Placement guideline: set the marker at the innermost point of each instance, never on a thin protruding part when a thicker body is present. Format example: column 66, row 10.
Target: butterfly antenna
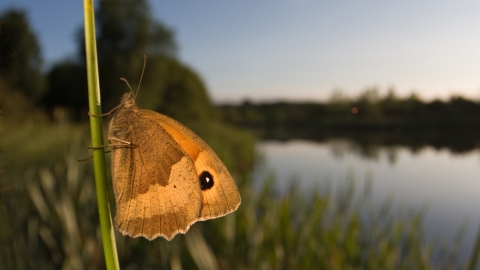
column 129, row 87
column 141, row 76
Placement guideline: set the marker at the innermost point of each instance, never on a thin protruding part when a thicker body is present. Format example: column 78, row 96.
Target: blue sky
column 303, row 49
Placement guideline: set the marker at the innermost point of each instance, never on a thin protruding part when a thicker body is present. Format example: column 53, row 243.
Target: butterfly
column 165, row 177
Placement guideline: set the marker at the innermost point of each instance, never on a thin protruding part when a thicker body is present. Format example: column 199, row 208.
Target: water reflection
column 444, row 181
column 458, row 141
column 342, row 148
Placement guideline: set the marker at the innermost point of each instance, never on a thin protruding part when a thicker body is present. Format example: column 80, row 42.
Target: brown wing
column 154, row 180
column 217, row 200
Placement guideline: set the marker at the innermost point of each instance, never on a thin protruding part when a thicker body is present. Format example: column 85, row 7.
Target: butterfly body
column 165, row 178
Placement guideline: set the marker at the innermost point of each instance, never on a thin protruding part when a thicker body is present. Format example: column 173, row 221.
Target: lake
column 445, row 182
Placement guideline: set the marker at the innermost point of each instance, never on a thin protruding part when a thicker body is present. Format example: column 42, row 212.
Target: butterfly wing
column 220, row 195
column 154, row 180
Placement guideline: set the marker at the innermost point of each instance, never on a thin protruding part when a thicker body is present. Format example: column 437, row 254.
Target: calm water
column 447, row 183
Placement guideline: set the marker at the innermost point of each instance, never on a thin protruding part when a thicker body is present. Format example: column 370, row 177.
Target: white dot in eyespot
column 208, row 179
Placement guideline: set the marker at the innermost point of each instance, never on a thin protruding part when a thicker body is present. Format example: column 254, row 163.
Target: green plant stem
column 108, row 237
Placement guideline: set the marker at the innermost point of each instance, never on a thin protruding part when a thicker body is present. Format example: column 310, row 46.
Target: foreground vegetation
column 50, row 203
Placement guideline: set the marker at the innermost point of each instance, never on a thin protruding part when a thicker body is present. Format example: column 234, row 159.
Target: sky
column 302, row 49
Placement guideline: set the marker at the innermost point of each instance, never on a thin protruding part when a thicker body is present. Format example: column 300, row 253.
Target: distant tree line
column 126, row 31
column 367, row 113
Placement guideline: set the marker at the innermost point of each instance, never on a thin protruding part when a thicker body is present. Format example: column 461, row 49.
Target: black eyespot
column 174, row 186
column 206, row 180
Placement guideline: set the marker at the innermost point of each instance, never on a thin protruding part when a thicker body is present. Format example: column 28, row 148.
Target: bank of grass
column 50, row 201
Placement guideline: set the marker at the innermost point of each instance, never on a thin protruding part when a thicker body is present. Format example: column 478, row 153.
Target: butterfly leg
column 120, row 144
column 105, row 114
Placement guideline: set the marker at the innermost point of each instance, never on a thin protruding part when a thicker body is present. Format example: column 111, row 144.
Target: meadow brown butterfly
column 165, row 178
